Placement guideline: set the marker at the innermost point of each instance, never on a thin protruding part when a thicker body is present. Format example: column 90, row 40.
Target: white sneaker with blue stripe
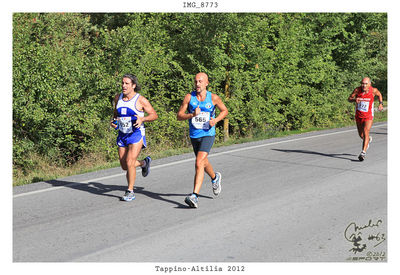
column 216, row 184
column 129, row 196
column 192, row 200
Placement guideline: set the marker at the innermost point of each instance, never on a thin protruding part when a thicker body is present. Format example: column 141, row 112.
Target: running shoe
column 192, row 200
column 146, row 168
column 369, row 142
column 216, row 184
column 129, row 196
column 362, row 155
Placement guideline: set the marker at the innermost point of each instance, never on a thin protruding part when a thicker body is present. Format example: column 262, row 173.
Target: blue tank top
column 199, row 125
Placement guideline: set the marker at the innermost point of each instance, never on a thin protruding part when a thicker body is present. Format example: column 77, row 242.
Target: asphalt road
column 303, row 198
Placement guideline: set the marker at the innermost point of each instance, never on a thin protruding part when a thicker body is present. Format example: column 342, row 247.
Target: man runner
column 364, row 97
column 129, row 116
column 200, row 105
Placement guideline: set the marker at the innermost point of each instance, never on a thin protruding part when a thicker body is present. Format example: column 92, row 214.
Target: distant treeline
column 274, row 71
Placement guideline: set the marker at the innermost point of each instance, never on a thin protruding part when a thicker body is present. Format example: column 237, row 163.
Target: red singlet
column 365, row 109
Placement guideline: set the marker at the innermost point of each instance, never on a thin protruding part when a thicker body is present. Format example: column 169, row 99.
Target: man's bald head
column 201, row 82
column 366, row 80
column 365, row 84
column 202, row 75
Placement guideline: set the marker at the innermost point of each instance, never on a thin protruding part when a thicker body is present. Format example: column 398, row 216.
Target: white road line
column 186, row 160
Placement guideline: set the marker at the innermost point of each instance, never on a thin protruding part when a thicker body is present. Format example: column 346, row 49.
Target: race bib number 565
column 201, row 121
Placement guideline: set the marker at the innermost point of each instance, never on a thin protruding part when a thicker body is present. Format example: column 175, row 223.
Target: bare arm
column 217, row 101
column 379, row 95
column 352, row 97
column 115, row 112
column 182, row 115
column 152, row 115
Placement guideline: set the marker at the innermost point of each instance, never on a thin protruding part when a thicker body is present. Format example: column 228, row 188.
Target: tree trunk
column 227, row 95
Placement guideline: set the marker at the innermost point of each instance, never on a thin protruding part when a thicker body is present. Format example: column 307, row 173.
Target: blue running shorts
column 123, row 140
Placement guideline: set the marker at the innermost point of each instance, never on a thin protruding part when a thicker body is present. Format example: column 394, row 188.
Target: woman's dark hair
column 134, row 81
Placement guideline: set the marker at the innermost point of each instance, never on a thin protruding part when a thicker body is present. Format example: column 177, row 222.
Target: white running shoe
column 129, row 196
column 216, row 184
column 192, row 200
column 362, row 155
column 369, row 142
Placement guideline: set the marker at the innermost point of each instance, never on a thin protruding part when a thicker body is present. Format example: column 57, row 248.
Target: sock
column 129, row 190
column 197, row 195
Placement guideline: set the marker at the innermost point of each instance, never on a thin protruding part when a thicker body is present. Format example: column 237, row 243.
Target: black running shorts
column 203, row 144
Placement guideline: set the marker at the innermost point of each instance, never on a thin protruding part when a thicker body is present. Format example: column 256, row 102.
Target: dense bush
column 274, row 71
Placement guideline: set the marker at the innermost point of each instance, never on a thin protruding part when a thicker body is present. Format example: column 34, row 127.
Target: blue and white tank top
column 126, row 115
column 199, row 126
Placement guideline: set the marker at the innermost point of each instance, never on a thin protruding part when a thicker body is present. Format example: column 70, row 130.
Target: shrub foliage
column 274, row 71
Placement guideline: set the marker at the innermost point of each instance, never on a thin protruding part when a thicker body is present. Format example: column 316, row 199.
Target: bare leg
column 360, row 129
column 367, row 128
column 128, row 160
column 209, row 169
column 202, row 164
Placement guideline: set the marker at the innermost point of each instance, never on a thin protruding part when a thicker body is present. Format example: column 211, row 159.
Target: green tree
column 57, row 95
column 274, row 71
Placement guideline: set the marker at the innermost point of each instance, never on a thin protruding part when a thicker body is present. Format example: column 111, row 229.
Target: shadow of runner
column 339, row 156
column 90, row 187
column 378, row 133
column 97, row 188
column 158, row 196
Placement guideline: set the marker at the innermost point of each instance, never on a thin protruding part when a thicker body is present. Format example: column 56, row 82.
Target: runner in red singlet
column 364, row 97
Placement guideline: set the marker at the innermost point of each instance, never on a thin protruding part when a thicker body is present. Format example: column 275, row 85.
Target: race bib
column 201, row 121
column 363, row 106
column 125, row 124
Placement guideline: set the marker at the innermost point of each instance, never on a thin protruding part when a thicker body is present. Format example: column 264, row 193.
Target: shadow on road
column 101, row 189
column 339, row 156
column 90, row 187
column 158, row 196
column 379, row 133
